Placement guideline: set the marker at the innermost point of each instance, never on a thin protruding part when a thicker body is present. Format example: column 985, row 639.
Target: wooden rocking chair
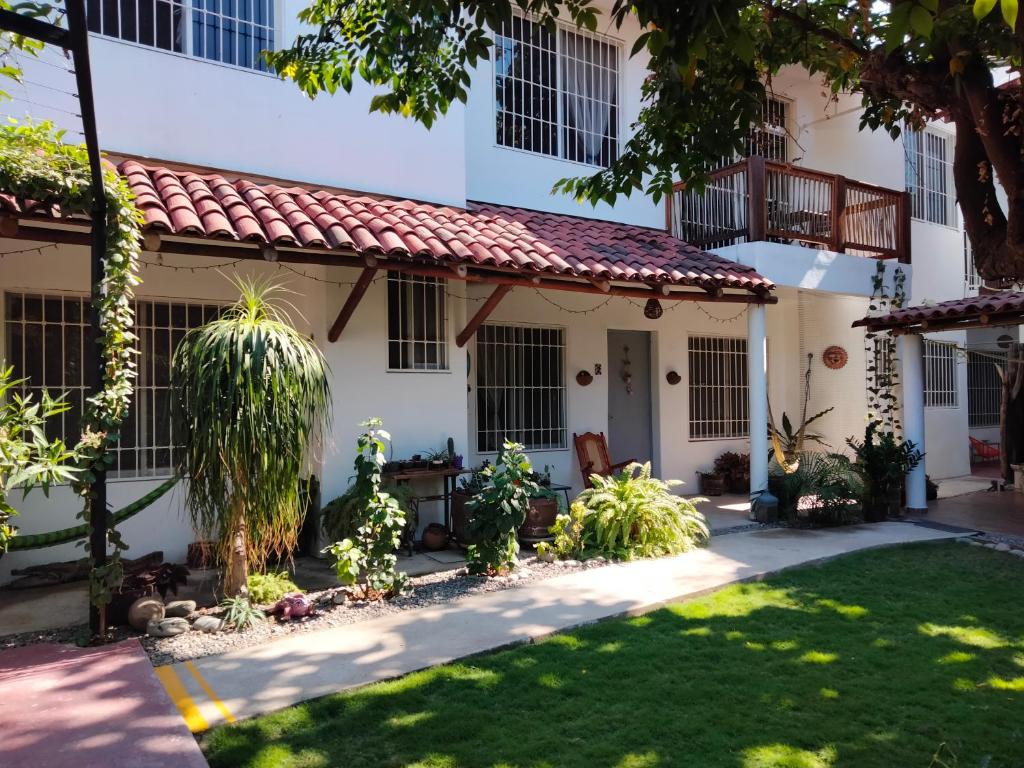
column 592, row 452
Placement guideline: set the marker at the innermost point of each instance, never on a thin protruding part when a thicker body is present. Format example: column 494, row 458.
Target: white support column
column 911, row 352
column 757, row 380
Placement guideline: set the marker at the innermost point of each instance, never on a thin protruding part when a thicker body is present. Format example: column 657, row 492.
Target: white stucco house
column 452, row 294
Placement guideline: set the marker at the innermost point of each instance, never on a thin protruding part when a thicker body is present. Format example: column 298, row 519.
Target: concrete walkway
column 62, row 706
column 259, row 679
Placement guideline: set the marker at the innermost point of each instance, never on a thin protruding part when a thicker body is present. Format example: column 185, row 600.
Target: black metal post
column 79, row 38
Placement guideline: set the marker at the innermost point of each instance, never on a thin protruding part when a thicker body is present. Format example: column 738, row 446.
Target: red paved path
column 88, row 707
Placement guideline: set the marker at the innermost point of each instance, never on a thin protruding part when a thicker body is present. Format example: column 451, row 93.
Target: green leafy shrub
column 824, row 489
column 266, row 588
column 570, row 534
column 241, row 614
column 631, row 514
column 369, row 553
column 498, row 510
column 883, row 461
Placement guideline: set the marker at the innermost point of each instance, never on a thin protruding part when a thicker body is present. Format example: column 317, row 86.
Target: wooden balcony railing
column 757, row 199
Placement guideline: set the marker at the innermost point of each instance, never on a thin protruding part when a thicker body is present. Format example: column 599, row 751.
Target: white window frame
column 559, row 388
column 929, row 177
column 941, row 375
column 731, row 425
column 984, row 388
column 560, row 153
column 772, row 130
column 403, row 340
column 972, row 280
column 145, row 388
column 189, row 12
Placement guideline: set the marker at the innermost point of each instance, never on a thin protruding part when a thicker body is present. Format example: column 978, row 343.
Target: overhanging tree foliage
column 710, row 62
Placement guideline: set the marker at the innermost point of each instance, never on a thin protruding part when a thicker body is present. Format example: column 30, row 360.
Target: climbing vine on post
column 882, row 374
column 36, row 165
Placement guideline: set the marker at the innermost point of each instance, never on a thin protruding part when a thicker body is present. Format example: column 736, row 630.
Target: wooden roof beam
column 349, row 307
column 499, row 293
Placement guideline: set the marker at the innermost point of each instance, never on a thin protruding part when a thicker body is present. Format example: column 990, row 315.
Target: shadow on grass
column 881, row 659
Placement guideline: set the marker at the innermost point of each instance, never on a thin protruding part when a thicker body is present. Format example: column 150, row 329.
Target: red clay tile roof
column 209, row 205
column 1001, row 305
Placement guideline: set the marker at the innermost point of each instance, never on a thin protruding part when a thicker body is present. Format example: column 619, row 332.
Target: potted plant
column 734, row 469
column 883, row 461
column 469, row 486
column 541, row 515
column 711, row 483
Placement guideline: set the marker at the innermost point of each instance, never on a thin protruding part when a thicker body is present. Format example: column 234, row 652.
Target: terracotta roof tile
column 211, row 205
column 966, row 310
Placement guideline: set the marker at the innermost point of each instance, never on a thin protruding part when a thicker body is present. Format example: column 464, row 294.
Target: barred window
column 929, row 175
column 940, row 375
column 45, row 342
column 226, row 31
column 556, row 92
column 972, row 280
column 718, row 388
column 417, row 323
column 770, row 138
column 520, row 387
column 984, row 387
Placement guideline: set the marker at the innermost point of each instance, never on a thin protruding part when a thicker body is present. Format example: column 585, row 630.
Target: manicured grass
column 882, row 658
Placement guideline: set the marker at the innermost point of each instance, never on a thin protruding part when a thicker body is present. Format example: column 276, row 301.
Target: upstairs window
column 940, row 375
column 557, row 93
column 929, row 175
column 226, row 31
column 417, row 323
column 770, row 139
column 972, row 280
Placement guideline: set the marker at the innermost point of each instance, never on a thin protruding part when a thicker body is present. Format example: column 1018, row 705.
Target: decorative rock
column 547, row 556
column 143, row 610
column 179, row 608
column 571, row 563
column 294, row 605
column 1017, row 552
column 166, row 627
column 208, row 624
column 1002, row 546
column 339, row 597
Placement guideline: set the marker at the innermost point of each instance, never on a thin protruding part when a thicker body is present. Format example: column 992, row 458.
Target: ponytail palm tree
column 250, row 396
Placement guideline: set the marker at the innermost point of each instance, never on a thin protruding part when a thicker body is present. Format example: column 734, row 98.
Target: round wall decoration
column 834, row 357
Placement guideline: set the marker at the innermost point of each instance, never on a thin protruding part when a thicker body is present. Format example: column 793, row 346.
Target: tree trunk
column 236, row 569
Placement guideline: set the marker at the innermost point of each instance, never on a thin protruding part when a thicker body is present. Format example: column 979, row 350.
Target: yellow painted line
column 208, row 690
column 176, row 690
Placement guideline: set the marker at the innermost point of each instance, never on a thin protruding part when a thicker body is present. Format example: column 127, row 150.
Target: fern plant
column 632, row 514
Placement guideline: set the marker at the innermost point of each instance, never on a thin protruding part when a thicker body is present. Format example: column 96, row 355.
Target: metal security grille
column 556, row 92
column 417, row 323
column 718, row 388
column 972, row 280
column 45, row 339
column 520, row 387
column 929, row 168
column 984, row 387
column 770, row 139
column 227, row 31
column 940, row 375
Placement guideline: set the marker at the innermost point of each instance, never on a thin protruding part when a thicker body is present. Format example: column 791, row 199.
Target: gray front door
column 629, row 395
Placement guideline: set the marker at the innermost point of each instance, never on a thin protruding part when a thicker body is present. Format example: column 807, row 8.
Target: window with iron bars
column 984, row 387
column 972, row 280
column 557, row 92
column 940, row 375
column 520, row 387
column 226, row 31
column 45, row 341
column 929, row 175
column 770, row 138
column 718, row 388
column 417, row 323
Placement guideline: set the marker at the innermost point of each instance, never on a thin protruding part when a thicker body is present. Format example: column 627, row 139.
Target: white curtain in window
column 588, row 81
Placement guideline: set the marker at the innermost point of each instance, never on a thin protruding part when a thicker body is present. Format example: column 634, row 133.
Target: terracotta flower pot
column 539, row 519
column 711, row 485
column 435, row 537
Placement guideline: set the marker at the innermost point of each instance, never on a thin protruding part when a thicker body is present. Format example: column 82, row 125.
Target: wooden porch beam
column 358, row 290
column 482, row 314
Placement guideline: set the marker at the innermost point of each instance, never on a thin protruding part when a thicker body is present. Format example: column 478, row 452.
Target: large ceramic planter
column 883, row 504
column 460, row 517
column 539, row 519
column 710, row 485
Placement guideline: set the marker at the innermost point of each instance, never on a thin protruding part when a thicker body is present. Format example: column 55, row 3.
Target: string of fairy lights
column 159, row 263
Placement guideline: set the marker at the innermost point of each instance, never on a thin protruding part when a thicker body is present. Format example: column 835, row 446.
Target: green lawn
column 882, row 658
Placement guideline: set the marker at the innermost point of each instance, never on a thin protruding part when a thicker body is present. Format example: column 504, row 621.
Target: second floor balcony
column 762, row 200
